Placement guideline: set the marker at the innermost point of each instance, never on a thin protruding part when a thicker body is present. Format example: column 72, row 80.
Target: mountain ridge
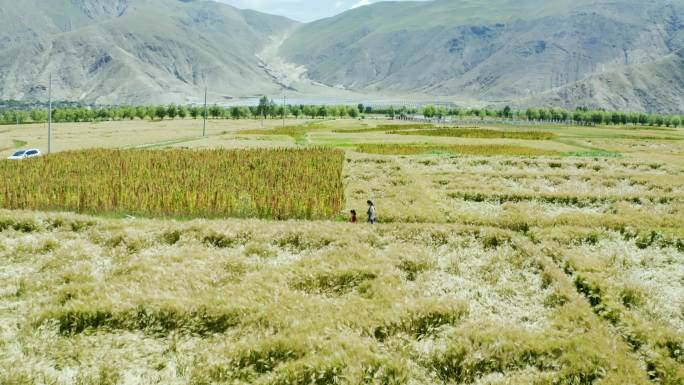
column 605, row 54
column 465, row 49
column 135, row 51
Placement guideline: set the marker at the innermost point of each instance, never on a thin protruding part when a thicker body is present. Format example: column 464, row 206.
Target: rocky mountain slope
column 616, row 54
column 132, row 51
column 605, row 53
column 656, row 86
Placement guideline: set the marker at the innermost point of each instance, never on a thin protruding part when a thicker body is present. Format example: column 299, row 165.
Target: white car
column 23, row 154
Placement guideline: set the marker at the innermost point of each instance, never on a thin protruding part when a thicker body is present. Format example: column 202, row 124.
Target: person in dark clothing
column 372, row 217
column 353, row 216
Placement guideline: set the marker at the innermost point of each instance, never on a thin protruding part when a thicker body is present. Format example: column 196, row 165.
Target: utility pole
column 204, row 129
column 283, row 109
column 50, row 115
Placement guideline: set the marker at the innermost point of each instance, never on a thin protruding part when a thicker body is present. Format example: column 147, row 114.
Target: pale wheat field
column 555, row 269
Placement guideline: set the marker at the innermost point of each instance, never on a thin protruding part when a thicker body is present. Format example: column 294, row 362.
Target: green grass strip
column 484, row 150
column 479, row 133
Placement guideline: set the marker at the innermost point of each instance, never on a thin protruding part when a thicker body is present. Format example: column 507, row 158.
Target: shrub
column 492, row 239
column 632, row 296
column 299, row 241
column 422, row 319
column 259, row 249
column 415, row 264
column 171, row 237
column 131, row 244
column 306, row 373
column 157, row 320
column 222, row 241
column 337, row 282
column 259, row 357
column 107, row 374
column 24, row 226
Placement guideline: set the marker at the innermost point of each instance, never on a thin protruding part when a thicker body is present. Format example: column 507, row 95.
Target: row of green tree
column 581, row 116
column 85, row 114
column 268, row 109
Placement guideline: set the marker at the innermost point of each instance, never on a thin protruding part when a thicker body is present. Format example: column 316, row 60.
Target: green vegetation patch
column 298, row 133
column 277, row 184
column 158, row 321
column 387, row 127
column 478, row 133
column 567, row 200
column 19, row 143
column 484, row 150
column 594, row 154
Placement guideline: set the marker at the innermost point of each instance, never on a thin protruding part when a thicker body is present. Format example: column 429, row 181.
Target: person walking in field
column 353, row 216
column 372, row 217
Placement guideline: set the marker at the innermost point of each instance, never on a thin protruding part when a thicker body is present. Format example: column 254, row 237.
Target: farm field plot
column 277, row 184
column 132, row 134
column 458, row 132
column 340, row 133
column 454, row 149
column 554, row 260
column 520, row 193
column 242, row 301
column 376, row 133
column 636, row 287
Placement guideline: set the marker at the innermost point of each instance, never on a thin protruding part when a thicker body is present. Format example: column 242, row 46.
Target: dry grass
column 166, row 302
column 518, row 193
column 484, row 270
column 635, row 286
column 167, row 133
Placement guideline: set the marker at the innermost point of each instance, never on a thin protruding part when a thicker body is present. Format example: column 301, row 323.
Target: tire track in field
column 661, row 369
column 164, row 143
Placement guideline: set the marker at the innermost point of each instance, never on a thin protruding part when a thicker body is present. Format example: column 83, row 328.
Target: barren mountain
column 503, row 51
column 617, row 54
column 132, row 51
column 657, row 86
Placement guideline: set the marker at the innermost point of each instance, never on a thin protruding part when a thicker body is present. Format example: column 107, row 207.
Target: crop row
column 477, row 133
column 401, row 149
column 570, row 200
column 387, row 127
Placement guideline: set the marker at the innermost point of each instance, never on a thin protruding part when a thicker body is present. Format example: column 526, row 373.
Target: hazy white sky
column 301, row 10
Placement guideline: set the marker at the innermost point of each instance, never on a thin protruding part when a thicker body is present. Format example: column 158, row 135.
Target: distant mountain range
column 618, row 54
column 132, row 51
column 615, row 54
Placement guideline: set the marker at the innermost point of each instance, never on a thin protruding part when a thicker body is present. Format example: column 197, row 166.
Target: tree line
column 581, row 116
column 67, row 113
column 116, row 113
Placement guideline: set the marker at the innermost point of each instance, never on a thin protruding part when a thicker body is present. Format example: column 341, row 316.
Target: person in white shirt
column 372, row 217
